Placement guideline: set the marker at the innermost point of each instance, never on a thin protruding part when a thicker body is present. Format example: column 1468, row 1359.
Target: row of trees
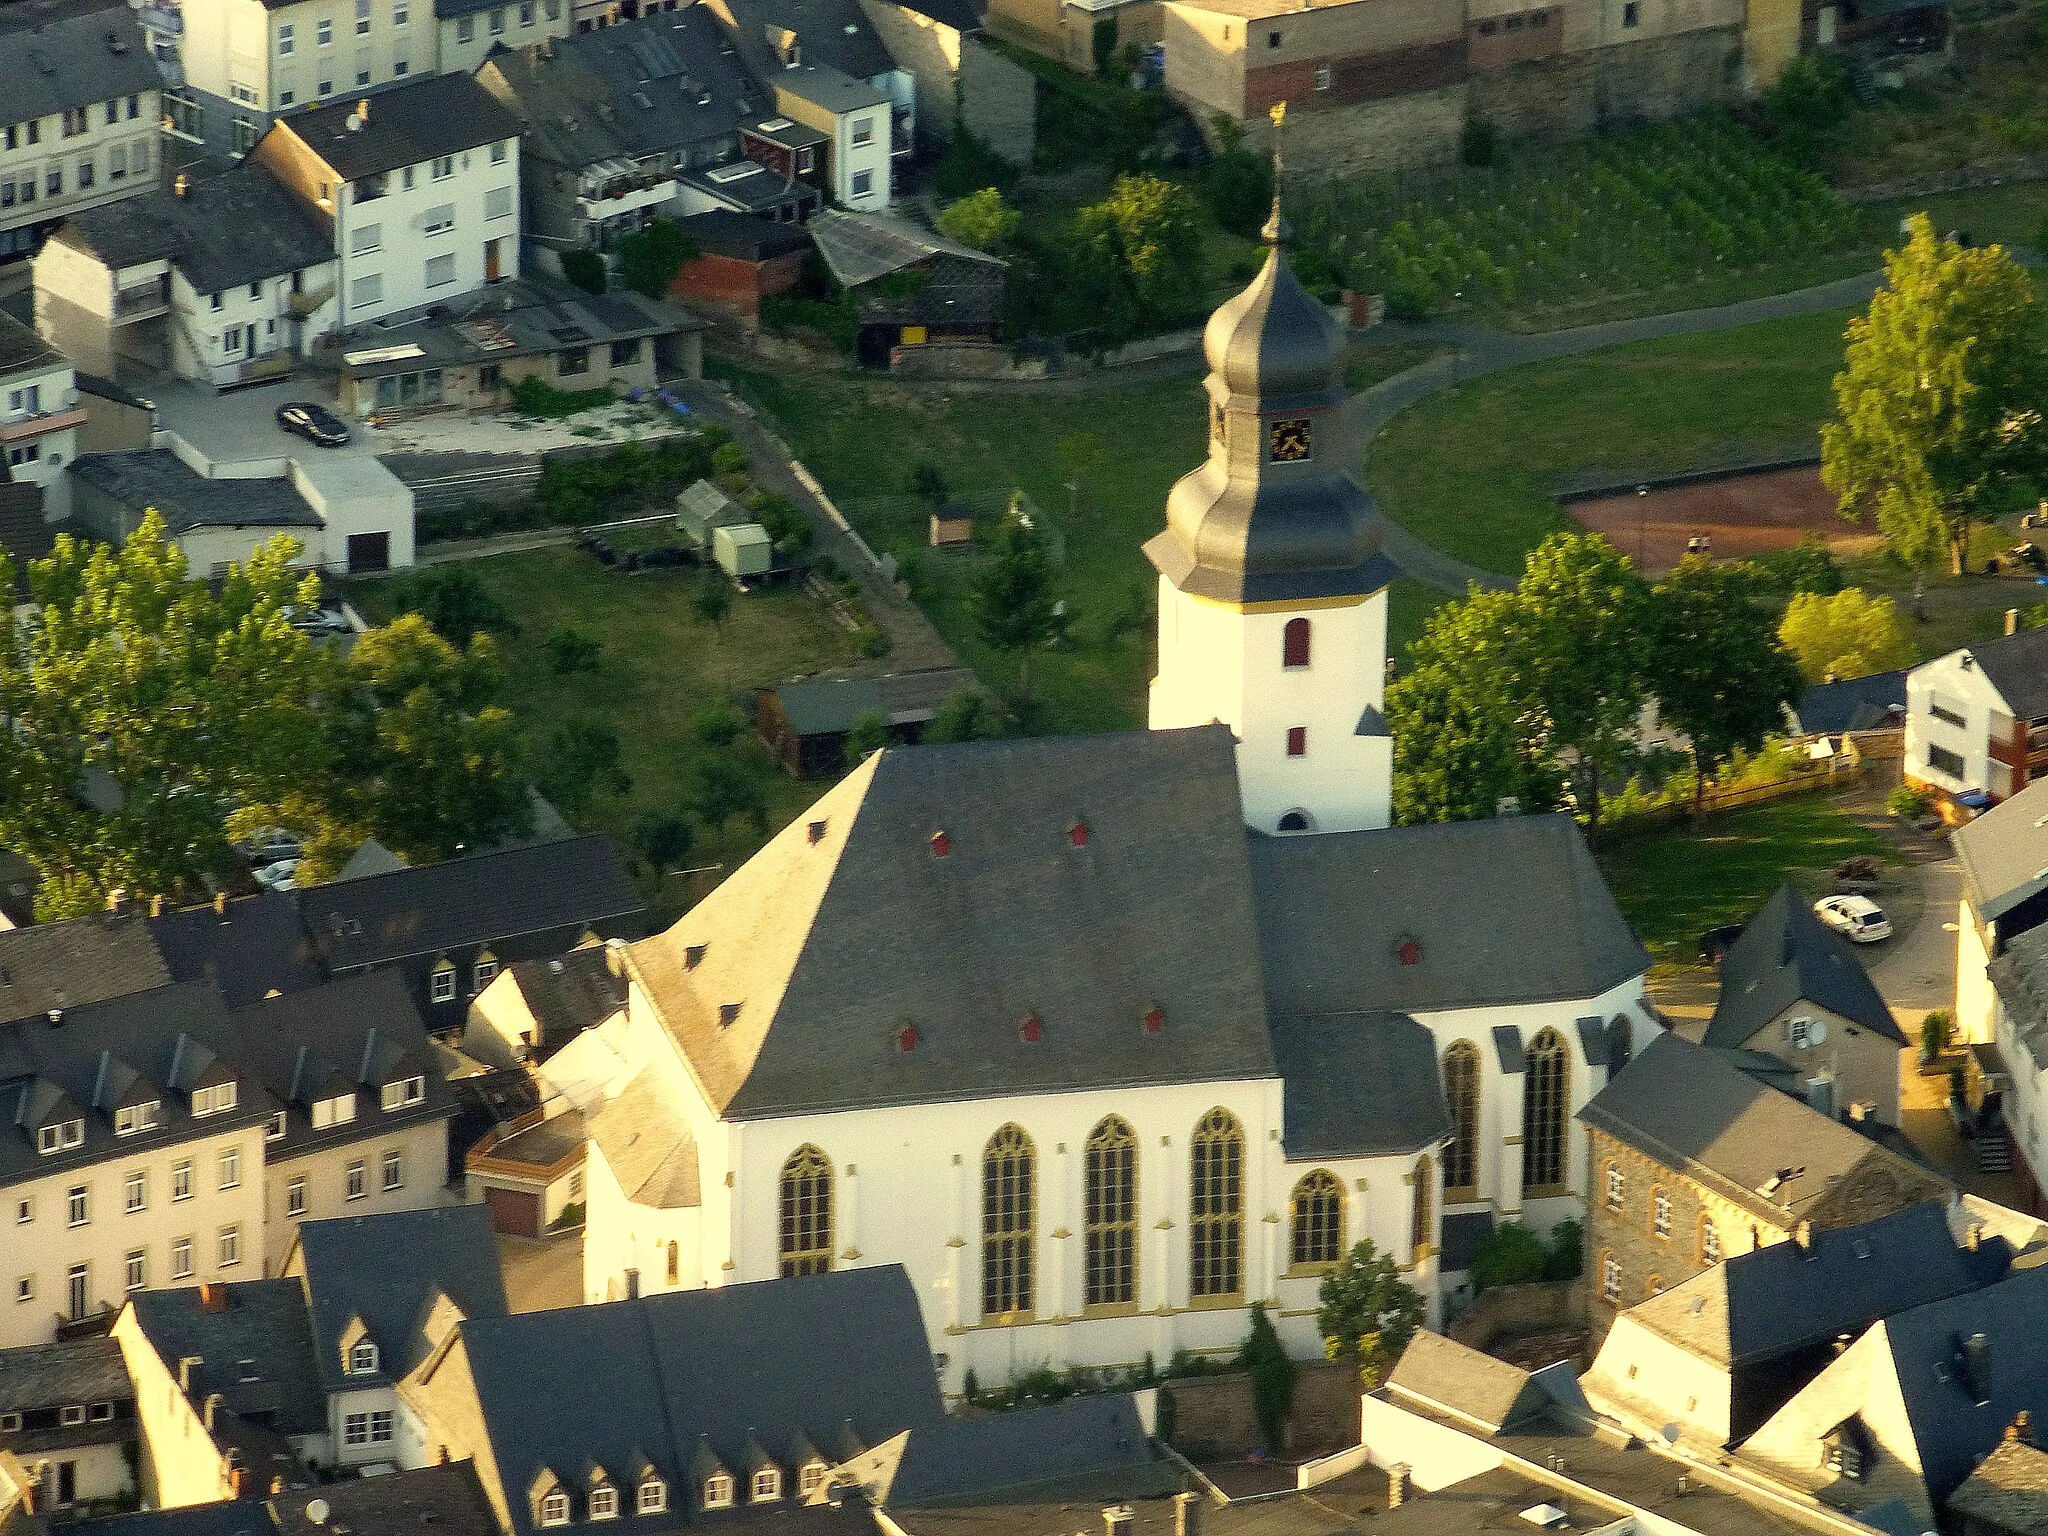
column 1524, row 695
column 156, row 717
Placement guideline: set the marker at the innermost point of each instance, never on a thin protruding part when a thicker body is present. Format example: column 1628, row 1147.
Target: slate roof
column 80, row 960
column 1761, row 1305
column 1870, row 703
column 724, row 233
column 230, row 1517
column 861, row 247
column 644, row 1134
column 253, row 948
column 527, row 889
column 1682, row 1106
column 23, row 533
column 583, row 103
column 1787, row 955
column 446, row 1500
column 1061, row 1450
column 66, row 55
column 1444, row 1374
column 568, row 995
column 2008, row 1491
column 387, row 1271
column 833, row 33
column 408, row 124
column 821, row 705
column 22, row 349
column 70, row 1371
column 1334, row 910
column 156, row 477
column 825, row 1357
column 225, row 231
column 2017, row 666
column 1086, row 883
column 1359, row 1085
column 2004, row 852
column 265, row 1323
column 2020, row 978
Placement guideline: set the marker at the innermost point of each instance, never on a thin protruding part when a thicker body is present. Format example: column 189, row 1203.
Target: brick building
column 740, row 261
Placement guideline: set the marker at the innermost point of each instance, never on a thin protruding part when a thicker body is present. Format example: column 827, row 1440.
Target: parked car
column 1716, row 942
column 278, row 876
column 314, row 422
column 316, row 621
column 271, row 845
column 1856, row 917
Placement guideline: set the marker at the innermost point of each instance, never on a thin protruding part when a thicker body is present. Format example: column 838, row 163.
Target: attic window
column 816, row 831
column 1077, row 833
column 604, row 1502
column 1409, row 951
column 942, row 844
column 554, row 1509
column 907, row 1038
column 214, row 1100
column 718, row 1491
column 653, row 1496
column 693, row 956
column 1029, row 1028
column 1155, row 1020
column 728, row 1014
column 61, row 1137
column 362, row 1358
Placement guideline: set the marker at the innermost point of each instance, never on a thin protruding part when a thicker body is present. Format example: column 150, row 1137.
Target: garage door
column 514, row 1211
column 369, row 552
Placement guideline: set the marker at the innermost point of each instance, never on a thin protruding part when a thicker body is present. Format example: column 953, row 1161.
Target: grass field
column 1675, row 882
column 660, row 667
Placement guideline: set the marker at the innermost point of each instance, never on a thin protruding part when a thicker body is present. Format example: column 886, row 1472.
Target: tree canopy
column 1139, row 255
column 981, row 219
column 1014, row 608
column 1850, row 634
column 1367, row 1310
column 1938, row 405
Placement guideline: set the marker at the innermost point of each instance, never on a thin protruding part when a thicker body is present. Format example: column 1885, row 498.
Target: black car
column 315, row 423
column 1716, row 942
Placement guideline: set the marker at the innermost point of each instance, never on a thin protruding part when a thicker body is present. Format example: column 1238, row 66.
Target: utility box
column 743, row 550
column 704, row 507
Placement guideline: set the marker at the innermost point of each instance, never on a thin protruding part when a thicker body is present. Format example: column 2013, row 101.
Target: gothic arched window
column 805, row 1243
column 1110, row 1214
column 1461, row 1092
column 1545, row 1076
column 1423, row 1226
column 1216, row 1207
column 1008, row 1209
column 1318, row 1226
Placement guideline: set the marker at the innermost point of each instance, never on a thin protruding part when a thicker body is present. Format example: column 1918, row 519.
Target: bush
column 719, row 726
column 1237, row 184
column 663, row 839
column 535, row 396
column 1567, row 1251
column 928, row 483
column 1102, row 42
column 729, row 459
column 1936, row 1031
column 1509, row 1255
column 583, row 488
column 981, row 219
column 1366, row 1309
column 1265, row 1360
column 454, row 599
column 585, row 269
column 1808, row 105
column 572, row 650
column 785, row 524
column 650, row 258
column 1908, row 802
column 1808, row 566
column 837, row 320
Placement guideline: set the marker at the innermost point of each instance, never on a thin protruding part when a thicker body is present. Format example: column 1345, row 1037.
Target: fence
column 1841, row 772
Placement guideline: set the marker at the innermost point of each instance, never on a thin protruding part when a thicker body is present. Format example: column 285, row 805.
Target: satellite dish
column 317, row 1511
column 1817, row 1031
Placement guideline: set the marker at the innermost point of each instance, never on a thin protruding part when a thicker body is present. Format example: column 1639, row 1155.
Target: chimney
column 213, row 1402
column 1803, row 1236
column 156, row 906
column 220, row 903
column 213, row 1296
column 240, row 1482
column 1973, row 1237
column 632, row 1285
column 117, row 899
column 2012, row 621
column 185, row 1366
column 2021, row 1430
column 1398, row 1476
column 1187, row 1514
column 1975, row 1359
column 1116, row 1520
column 277, row 1485
column 180, row 186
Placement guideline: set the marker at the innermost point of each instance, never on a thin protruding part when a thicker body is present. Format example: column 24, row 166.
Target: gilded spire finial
column 1275, row 230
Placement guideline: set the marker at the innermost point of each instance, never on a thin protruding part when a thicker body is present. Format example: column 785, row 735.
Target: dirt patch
column 1740, row 515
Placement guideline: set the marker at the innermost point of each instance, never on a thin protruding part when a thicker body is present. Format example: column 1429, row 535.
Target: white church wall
column 1379, row 1203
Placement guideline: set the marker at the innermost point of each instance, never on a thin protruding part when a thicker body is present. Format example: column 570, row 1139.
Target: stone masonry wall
column 1212, row 1415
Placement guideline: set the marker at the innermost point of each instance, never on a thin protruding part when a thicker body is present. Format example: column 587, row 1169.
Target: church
column 1106, row 1039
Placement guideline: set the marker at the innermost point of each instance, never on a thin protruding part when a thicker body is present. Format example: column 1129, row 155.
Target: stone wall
column 1212, row 1416
column 1509, row 1310
column 998, row 102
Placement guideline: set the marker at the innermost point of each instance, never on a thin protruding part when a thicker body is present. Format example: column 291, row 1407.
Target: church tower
column 1272, row 584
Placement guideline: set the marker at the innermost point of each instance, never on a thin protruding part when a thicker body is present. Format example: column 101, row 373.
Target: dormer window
column 718, row 1491
column 767, row 1484
column 554, row 1508
column 274, row 1131
column 133, row 1118
column 486, row 968
column 64, row 1136
column 362, row 1358
column 604, row 1502
column 810, row 1478
column 653, row 1496
column 339, row 1110
column 217, row 1099
column 442, row 983
column 404, row 1093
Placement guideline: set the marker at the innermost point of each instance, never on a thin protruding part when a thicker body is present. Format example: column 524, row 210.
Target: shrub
column 785, row 524
column 1567, row 1251
column 585, row 269
column 1265, row 1360
column 1808, row 566
column 1509, row 1255
column 582, row 488
column 572, row 650
column 1807, row 106
column 719, row 726
column 1367, row 1310
column 1237, row 184
column 729, row 459
column 1102, row 42
column 982, row 219
column 663, row 839
column 1936, row 1031
column 650, row 258
column 869, row 735
column 968, row 165
column 1908, row 802
column 837, row 320
column 928, row 482
column 454, row 599
column 535, row 396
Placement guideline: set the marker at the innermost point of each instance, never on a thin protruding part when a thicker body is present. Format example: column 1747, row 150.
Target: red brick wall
column 737, row 284
column 1361, row 77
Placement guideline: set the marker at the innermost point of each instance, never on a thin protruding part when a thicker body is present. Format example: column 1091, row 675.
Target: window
column 324, row 90
column 136, row 1191
column 1297, row 741
column 444, row 167
column 440, row 271
column 1616, row 1186
column 401, row 65
column 604, row 1502
column 117, row 163
column 1318, row 1220
column 1422, row 1223
column 1461, row 1093
column 1216, row 1207
column 362, row 1358
column 485, row 970
column 230, row 1167
column 1322, row 77
column 401, row 12
column 78, row 1205
column 1946, row 710
column 394, row 1170
column 1941, row 760
column 499, row 151
column 86, row 169
column 1710, row 1241
column 498, row 22
column 810, row 1478
column 805, row 1244
column 465, row 29
column 574, row 360
column 1610, row 1276
column 404, row 1093
column 181, row 1180
column 374, row 1428
column 230, row 1246
column 498, row 203
column 356, row 1182
column 1653, row 1287
column 1799, row 1033
column 295, row 1196
column 1272, row 39
column 1294, row 643
column 102, row 1413
column 1631, row 14
column 525, row 18
column 24, row 1212
column 1008, row 1211
column 324, row 30
column 273, row 1129
column 1109, row 1217
column 25, row 1288
column 64, row 1136
column 1660, row 1212
column 231, row 340
column 767, row 1484
column 863, row 130
column 181, row 1259
column 625, row 352
column 75, row 122
column 362, row 293
column 675, row 1263
column 362, row 18
column 653, row 1498
column 78, row 1289
column 365, row 237
column 439, row 220
column 135, row 1269
column 718, row 1491
column 25, row 401
column 443, row 983
column 863, row 183
column 218, row 1099
column 284, row 39
column 1544, row 1067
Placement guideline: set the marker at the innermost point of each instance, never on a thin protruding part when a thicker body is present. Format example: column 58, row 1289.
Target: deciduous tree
column 1850, row 634
column 1367, row 1310
column 981, row 219
column 1140, row 253
column 1015, row 611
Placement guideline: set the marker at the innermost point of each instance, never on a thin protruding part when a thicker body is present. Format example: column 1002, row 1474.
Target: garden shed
column 703, row 508
column 910, row 285
column 743, row 549
column 805, row 722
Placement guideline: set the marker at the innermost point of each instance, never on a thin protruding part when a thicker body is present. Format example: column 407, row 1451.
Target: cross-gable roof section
column 76, row 961
column 405, row 125
column 1452, row 1378
column 1072, row 1450
column 861, row 247
column 645, row 1137
column 2017, row 666
column 263, row 1322
column 1359, row 1085
column 1787, row 955
column 888, row 946
column 220, row 232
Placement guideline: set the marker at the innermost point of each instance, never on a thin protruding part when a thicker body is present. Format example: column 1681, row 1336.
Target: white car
column 278, row 876
column 1856, row 918
column 269, row 845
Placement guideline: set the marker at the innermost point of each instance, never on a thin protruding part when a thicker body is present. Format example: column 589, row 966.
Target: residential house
column 449, row 928
column 1871, row 710
column 1717, row 1355
column 68, row 1409
column 470, row 31
column 230, row 1400
column 740, row 261
column 40, row 414
column 1695, row 1160
column 1793, row 989
column 848, row 127
column 626, row 123
column 2008, row 1493
column 535, row 1007
column 251, row 948
column 224, row 281
column 678, row 1424
column 1977, row 718
column 959, row 79
column 78, row 123
column 528, row 1174
column 382, row 1292
column 2004, row 859
column 2007, row 1078
column 136, row 1157
column 77, row 961
column 838, row 40
column 447, row 1500
column 421, row 183
column 1909, row 1409
column 911, row 286
column 805, row 721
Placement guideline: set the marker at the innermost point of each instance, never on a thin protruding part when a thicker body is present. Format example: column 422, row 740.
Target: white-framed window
column 230, row 1247
column 218, row 1099
column 1610, row 1277
column 394, row 1170
column 181, row 1259
column 71, row 1414
column 498, row 22
column 604, row 1502
column 863, row 131
column 444, row 165
column 78, row 1289
column 10, row 1423
column 230, row 1167
column 24, row 1212
column 401, row 12
column 64, row 1136
column 362, row 18
column 295, row 1196
column 526, row 13
column 1616, row 1187
column 102, row 1413
column 25, row 401
column 1322, row 77
column 554, row 1508
column 1660, row 1213
column 285, row 41
column 442, row 983
column 362, row 1358
column 357, row 1183
column 439, row 220
column 181, row 1179
column 718, row 1491
column 497, row 205
column 499, row 151
column 135, row 1269
column 273, row 1129
column 78, row 1205
column 767, row 1484
column 487, row 963
column 440, row 271
column 231, row 340
column 863, row 183
column 135, row 1191
column 324, row 31
column 134, row 1118
column 364, row 238
column 653, row 1498
column 374, row 1428
column 366, row 290
column 339, row 1110
column 25, row 1289
column 465, row 29
column 810, row 1478
column 405, row 1092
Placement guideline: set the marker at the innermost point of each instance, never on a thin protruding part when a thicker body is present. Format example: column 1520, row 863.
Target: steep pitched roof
column 835, row 33
column 2017, row 666
column 568, row 995
column 69, row 55
column 1336, row 909
column 77, row 961
column 387, row 1271
column 22, row 350
column 1081, row 885
column 2004, row 852
column 251, row 948
column 1869, row 703
column 1787, row 955
column 645, row 1137
column 1061, row 1450
column 2020, row 978
column 264, row 1323
column 1444, row 1374
column 446, row 1500
column 2008, row 1491
column 407, row 124
column 68, row 1371
column 1359, row 1085
column 224, row 231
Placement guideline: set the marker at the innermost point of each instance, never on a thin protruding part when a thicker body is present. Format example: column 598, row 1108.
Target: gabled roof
column 1085, row 883
column 645, row 1137
column 2017, row 666
column 1062, row 1450
column 2004, row 852
column 1359, row 1085
column 1877, row 702
column 1335, row 910
column 22, row 350
column 265, row 1322
column 1757, row 1306
column 224, row 231
column 407, row 124
column 814, row 706
column 861, row 247
column 446, row 1500
column 156, row 477
column 69, row 1371
column 527, row 889
column 1443, row 1374
column 387, row 1271
column 71, row 55
column 568, row 995
column 835, row 33
column 79, row 960
column 2008, row 1491
column 724, row 233
column 2020, row 978
column 252, row 948
column 663, row 1378
column 1787, row 955
column 1682, row 1106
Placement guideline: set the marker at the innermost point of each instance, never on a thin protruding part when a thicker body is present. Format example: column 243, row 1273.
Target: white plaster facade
column 330, row 1179
column 463, row 42
column 39, row 421
column 438, row 229
column 51, row 167
column 1952, row 713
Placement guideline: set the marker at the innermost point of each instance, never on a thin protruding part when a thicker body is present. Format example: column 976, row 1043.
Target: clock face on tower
column 1289, row 440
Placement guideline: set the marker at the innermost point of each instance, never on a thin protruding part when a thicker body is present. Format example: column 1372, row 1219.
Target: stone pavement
column 542, row 1274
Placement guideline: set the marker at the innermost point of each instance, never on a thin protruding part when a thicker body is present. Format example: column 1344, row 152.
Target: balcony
column 304, row 304
column 156, row 18
column 21, row 428
column 625, row 195
column 144, row 301
column 274, row 365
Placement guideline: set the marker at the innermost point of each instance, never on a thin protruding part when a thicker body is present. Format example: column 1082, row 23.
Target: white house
column 2004, row 858
column 1977, row 718
column 421, row 183
column 39, row 413
column 1107, row 1038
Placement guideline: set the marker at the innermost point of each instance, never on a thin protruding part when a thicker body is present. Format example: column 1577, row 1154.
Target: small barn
column 805, row 722
column 703, row 509
column 952, row 526
column 910, row 285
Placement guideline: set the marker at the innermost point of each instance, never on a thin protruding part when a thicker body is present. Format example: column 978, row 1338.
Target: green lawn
column 1466, row 469
column 1675, row 882
column 660, row 667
